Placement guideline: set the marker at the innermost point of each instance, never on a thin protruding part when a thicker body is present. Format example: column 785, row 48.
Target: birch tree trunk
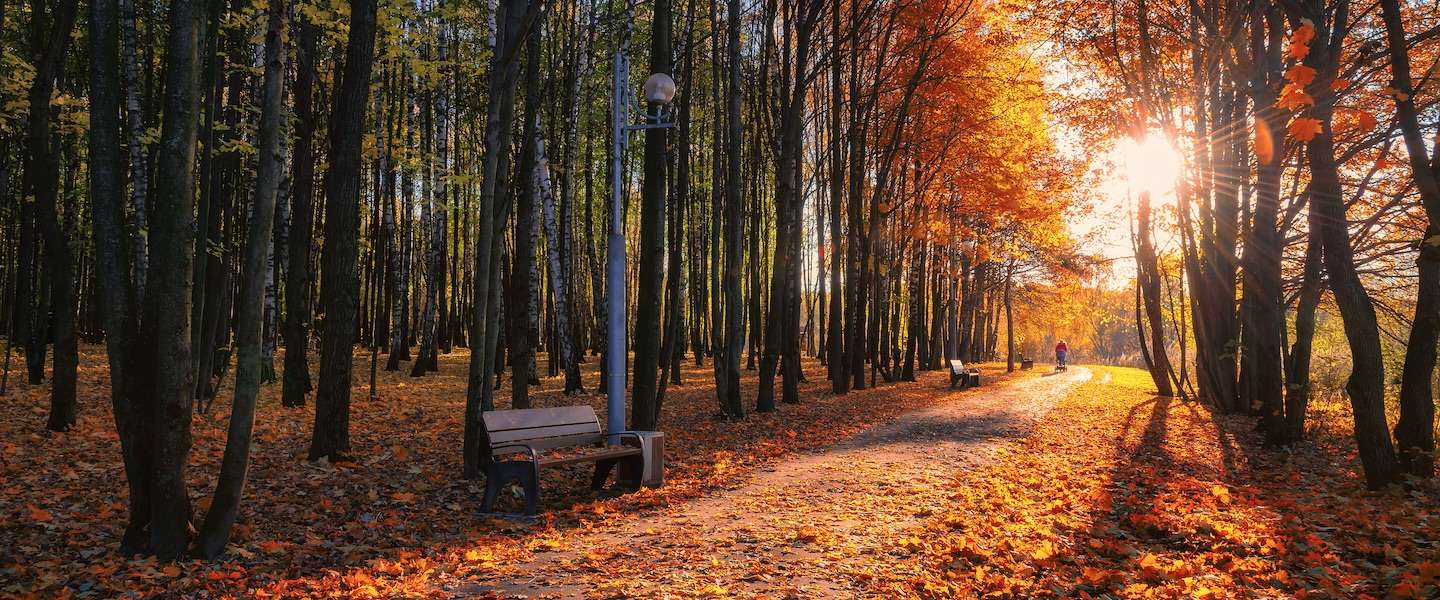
column 135, row 128
column 563, row 327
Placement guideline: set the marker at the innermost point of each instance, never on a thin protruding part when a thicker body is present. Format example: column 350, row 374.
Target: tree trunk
column 1415, row 431
column 1149, row 274
column 234, row 466
column 296, row 379
column 1366, row 385
column 649, row 294
column 522, row 294
column 166, row 378
column 338, row 283
column 134, row 130
column 42, row 178
column 569, row 357
column 117, row 297
column 500, row 112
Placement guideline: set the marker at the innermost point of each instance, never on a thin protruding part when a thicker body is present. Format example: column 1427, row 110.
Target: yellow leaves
column 1264, row 142
column 1045, row 551
column 1221, row 493
column 807, row 533
column 478, row 555
column 1305, row 129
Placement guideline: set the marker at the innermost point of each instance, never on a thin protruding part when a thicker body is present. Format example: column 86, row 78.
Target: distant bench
column 963, row 376
column 526, row 432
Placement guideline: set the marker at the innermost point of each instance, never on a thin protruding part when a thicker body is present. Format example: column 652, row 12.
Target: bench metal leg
column 525, row 472
column 631, row 470
column 602, row 472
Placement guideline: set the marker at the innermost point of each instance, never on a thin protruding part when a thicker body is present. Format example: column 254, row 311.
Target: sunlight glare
column 1151, row 164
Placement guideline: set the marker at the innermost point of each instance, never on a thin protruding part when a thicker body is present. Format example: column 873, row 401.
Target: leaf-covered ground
column 1111, row 493
column 1119, row 493
column 384, row 523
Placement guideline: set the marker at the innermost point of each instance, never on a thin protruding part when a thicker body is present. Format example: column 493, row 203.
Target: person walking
column 1061, row 349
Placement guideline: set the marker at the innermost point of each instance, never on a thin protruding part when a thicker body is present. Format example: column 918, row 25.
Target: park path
column 812, row 526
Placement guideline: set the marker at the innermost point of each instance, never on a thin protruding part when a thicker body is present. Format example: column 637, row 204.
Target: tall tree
column 49, row 43
column 1415, row 431
column 296, row 380
column 339, row 284
column 649, row 297
column 235, row 465
column 165, row 376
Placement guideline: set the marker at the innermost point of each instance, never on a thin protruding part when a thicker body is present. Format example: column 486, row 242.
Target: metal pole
column 615, row 263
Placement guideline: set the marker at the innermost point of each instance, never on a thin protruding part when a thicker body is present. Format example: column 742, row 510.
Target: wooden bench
column 965, row 377
column 1026, row 363
column 521, row 435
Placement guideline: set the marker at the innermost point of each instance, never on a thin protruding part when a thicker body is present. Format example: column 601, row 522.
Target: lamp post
column 659, row 89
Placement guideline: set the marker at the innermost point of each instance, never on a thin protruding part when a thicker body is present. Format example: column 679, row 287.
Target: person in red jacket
column 1061, row 349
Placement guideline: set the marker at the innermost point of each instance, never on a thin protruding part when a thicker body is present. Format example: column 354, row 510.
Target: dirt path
column 813, row 526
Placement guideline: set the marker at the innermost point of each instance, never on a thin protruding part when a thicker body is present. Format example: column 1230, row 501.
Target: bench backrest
column 957, row 365
column 543, row 428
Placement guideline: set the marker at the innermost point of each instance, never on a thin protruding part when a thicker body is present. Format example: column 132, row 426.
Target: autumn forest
column 854, row 298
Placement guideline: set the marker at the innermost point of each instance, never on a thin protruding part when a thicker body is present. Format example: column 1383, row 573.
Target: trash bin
column 652, row 451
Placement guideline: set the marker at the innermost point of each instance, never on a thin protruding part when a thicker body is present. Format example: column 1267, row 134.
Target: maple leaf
column 403, row 497
column 1304, row 33
column 1398, row 95
column 1305, row 129
column 1300, row 75
column 1361, row 121
column 1339, row 85
column 40, row 515
column 1293, row 97
column 1297, row 51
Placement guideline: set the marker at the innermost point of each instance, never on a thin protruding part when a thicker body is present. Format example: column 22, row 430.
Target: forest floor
column 1070, row 485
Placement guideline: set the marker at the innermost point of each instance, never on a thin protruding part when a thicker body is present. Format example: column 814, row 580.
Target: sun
column 1150, row 164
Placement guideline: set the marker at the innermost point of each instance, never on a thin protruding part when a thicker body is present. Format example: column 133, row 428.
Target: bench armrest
column 534, row 457
column 639, row 441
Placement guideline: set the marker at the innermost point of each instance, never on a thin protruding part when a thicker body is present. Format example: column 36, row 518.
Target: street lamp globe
column 660, row 88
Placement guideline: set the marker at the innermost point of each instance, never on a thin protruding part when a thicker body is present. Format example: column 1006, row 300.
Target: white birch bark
column 552, row 240
column 134, row 129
